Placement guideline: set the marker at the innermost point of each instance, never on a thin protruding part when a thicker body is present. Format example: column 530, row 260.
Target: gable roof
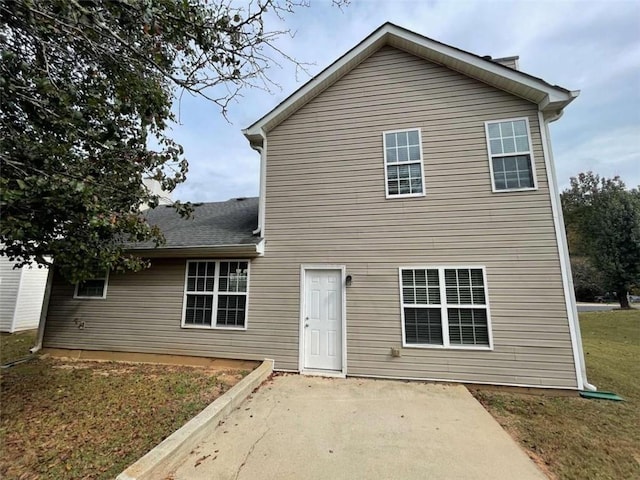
column 550, row 98
column 214, row 225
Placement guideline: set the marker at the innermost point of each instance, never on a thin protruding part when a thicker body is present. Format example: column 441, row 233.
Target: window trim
column 530, row 153
column 104, row 289
column 384, row 162
column 443, row 305
column 214, row 294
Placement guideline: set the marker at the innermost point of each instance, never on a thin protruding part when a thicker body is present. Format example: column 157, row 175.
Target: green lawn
column 90, row 420
column 16, row 345
column 575, row 438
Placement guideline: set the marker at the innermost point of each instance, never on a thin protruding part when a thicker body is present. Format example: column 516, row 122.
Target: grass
column 576, row 438
column 90, row 420
column 16, row 345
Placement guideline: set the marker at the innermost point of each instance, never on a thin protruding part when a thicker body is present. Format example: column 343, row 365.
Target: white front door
column 322, row 320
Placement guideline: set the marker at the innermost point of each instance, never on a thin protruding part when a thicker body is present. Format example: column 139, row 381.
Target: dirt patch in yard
column 69, row 419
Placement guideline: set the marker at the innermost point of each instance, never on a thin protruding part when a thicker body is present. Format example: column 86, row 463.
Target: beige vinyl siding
column 143, row 312
column 325, row 204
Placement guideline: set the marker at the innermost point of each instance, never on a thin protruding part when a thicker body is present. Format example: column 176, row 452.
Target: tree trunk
column 623, row 299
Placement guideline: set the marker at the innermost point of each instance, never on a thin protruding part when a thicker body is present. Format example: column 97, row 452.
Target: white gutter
column 563, row 252
column 248, row 249
column 44, row 310
column 262, row 150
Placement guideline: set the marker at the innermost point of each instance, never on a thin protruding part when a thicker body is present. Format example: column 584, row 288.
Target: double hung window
column 510, row 157
column 216, row 294
column 404, row 173
column 95, row 287
column 445, row 306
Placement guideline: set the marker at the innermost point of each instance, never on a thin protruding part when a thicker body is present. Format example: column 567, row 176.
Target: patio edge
column 169, row 453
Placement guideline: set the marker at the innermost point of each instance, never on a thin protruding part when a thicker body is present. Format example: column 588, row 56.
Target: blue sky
column 589, row 46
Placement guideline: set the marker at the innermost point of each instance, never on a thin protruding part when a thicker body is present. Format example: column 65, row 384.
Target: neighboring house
column 408, row 226
column 21, row 296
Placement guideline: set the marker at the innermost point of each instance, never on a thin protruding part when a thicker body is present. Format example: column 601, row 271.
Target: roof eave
column 254, row 139
column 212, row 251
column 317, row 84
column 518, row 83
column 526, row 86
column 553, row 108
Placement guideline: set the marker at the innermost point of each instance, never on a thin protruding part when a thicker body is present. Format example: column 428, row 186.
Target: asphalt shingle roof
column 212, row 224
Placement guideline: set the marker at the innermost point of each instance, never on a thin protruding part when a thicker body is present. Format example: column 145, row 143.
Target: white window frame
column 444, row 306
column 215, row 294
column 529, row 152
column 386, row 175
column 104, row 289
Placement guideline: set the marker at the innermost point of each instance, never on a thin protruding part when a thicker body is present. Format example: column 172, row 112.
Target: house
column 21, row 295
column 408, row 226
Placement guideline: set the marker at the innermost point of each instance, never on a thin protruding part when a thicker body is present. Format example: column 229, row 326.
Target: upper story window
column 510, row 157
column 92, row 288
column 216, row 294
column 403, row 163
column 445, row 307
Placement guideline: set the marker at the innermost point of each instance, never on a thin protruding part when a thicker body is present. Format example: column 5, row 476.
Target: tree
column 605, row 217
column 85, row 88
column 587, row 280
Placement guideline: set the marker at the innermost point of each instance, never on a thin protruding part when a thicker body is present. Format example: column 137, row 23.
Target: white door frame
column 303, row 300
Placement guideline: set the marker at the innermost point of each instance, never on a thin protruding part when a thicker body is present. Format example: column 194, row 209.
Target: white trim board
column 565, row 265
column 262, row 150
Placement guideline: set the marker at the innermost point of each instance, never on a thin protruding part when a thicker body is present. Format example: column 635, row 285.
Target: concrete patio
column 317, row 428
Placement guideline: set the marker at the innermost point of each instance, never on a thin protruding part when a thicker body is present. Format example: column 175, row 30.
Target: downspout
column 262, row 150
column 563, row 250
column 44, row 310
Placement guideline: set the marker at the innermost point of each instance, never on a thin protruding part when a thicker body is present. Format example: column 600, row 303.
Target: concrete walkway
column 298, row 427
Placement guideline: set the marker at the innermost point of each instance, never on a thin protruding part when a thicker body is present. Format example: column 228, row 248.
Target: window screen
column 510, row 154
column 403, row 163
column 442, row 299
column 92, row 288
column 218, row 287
